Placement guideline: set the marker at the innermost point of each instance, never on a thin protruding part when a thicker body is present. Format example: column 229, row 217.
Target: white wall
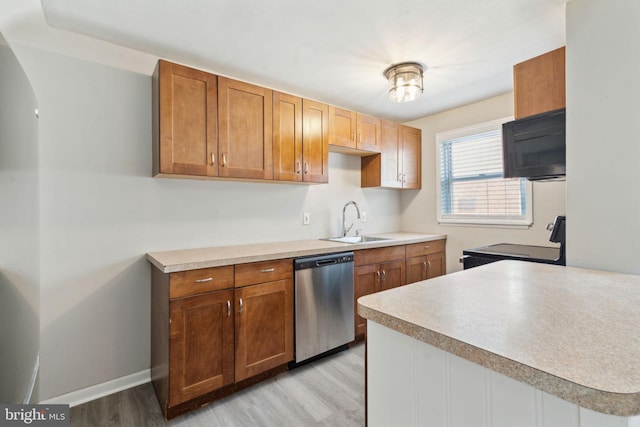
column 603, row 141
column 101, row 211
column 19, row 231
column 419, row 207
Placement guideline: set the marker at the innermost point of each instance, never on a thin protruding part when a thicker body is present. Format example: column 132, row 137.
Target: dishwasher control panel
column 323, row 260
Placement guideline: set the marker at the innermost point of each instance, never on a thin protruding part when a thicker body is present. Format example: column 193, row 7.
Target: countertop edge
column 273, row 251
column 612, row 403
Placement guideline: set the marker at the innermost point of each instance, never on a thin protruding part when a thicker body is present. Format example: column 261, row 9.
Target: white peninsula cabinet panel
column 411, row 383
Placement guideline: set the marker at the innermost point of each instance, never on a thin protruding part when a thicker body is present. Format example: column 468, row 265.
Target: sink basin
column 356, row 239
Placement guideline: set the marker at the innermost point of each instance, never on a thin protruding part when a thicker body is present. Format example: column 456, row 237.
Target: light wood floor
column 327, row 392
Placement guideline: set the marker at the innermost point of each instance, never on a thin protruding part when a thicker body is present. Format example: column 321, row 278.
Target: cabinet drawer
column 377, row 255
column 262, row 272
column 425, row 248
column 193, row 282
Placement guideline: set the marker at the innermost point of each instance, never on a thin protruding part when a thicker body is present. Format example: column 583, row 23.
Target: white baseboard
column 97, row 391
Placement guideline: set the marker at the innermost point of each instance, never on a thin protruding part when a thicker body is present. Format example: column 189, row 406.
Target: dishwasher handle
column 324, row 262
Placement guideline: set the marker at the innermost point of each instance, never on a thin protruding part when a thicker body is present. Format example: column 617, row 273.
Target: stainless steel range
column 501, row 251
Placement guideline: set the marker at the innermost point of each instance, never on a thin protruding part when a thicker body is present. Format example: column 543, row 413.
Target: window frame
column 484, row 221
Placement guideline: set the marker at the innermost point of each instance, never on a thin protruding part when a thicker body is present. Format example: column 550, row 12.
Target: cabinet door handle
column 224, row 160
column 354, row 137
column 428, row 265
column 384, row 275
column 208, row 279
column 424, row 267
column 427, row 246
column 268, row 270
column 306, row 167
column 298, row 170
column 241, row 306
column 228, row 308
column 213, row 159
column 377, row 276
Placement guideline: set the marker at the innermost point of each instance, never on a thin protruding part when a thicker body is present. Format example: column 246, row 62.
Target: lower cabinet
column 425, row 260
column 213, row 328
column 380, row 269
column 200, row 345
column 264, row 327
column 376, row 270
column 216, row 330
column 366, row 281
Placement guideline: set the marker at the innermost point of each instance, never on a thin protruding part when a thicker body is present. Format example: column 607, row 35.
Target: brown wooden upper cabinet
column 354, row 131
column 399, row 163
column 315, row 141
column 342, row 127
column 185, row 139
column 287, row 137
column 368, row 130
column 411, row 157
column 245, row 141
column 215, row 127
column 300, row 139
column 539, row 84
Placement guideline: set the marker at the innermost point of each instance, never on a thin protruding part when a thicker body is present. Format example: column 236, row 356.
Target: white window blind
column 472, row 189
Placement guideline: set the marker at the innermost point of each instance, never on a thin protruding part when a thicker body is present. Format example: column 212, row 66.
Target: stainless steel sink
column 356, row 239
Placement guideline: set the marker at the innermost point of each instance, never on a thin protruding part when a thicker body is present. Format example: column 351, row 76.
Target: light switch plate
column 306, row 218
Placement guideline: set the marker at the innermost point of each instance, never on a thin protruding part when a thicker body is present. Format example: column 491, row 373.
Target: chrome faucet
column 346, row 229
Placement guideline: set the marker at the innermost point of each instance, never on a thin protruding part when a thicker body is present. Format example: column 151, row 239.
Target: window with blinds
column 472, row 189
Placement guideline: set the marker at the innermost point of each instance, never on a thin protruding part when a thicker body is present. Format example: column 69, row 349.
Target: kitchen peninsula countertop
column 567, row 331
column 190, row 259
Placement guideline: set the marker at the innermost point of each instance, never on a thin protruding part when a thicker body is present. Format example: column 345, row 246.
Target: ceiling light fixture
column 405, row 81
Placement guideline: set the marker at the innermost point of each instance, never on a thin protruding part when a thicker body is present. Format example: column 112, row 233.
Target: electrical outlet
column 306, row 218
column 363, row 216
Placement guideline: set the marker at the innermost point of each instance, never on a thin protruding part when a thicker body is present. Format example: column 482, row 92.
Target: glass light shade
column 405, row 81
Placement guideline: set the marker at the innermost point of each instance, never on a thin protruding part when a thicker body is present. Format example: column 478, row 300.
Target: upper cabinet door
column 368, row 129
column 399, row 164
column 185, row 121
column 287, row 137
column 539, row 84
column 391, row 157
column 245, row 130
column 411, row 157
column 315, row 141
column 342, row 127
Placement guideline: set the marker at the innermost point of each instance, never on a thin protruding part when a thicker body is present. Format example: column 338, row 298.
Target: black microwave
column 535, row 147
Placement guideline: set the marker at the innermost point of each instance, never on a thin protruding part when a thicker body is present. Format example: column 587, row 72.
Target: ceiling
column 334, row 51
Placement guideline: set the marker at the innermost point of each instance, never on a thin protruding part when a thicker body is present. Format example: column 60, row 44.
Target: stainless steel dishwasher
column 323, row 304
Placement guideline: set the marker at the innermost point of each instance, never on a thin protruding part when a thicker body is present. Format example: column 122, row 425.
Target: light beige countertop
column 571, row 332
column 190, row 259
